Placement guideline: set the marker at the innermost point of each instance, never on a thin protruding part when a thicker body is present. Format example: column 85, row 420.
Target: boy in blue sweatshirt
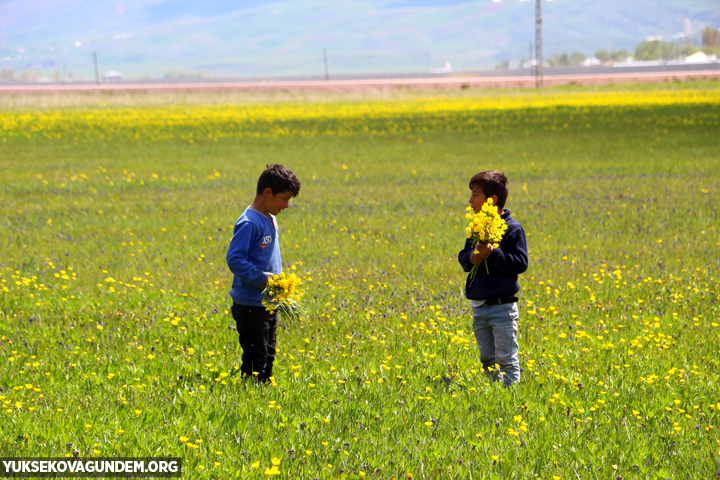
column 492, row 295
column 254, row 253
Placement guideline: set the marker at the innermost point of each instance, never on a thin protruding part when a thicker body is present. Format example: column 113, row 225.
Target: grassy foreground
column 116, row 336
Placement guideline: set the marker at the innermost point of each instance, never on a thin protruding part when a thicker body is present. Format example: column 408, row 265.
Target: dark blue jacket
column 505, row 264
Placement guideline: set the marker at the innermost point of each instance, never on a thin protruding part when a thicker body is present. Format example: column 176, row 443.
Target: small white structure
column 591, row 62
column 641, row 63
column 697, row 57
column 446, row 69
column 112, row 77
column 534, row 63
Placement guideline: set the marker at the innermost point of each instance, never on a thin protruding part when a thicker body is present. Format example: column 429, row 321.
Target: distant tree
column 619, row 55
column 558, row 60
column 577, row 58
column 711, row 37
column 29, row 76
column 687, row 49
column 563, row 59
column 502, row 66
column 175, row 73
column 647, row 50
column 7, row 75
column 655, row 50
column 602, row 55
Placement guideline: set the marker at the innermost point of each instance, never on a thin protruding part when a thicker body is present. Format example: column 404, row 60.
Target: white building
column 112, row 77
column 591, row 62
column 697, row 57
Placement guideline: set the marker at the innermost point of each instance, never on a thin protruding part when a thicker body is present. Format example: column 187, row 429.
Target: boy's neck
column 259, row 205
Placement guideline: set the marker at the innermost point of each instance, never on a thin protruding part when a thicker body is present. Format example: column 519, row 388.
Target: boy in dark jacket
column 492, row 295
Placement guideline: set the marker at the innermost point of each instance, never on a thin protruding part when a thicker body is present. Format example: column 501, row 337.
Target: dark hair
column 280, row 179
column 492, row 183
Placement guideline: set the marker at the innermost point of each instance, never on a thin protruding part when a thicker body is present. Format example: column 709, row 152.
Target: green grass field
column 116, row 336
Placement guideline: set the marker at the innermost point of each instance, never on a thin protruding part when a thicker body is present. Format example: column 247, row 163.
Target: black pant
column 256, row 328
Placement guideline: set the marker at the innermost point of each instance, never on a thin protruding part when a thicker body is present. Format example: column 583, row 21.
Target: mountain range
column 263, row 38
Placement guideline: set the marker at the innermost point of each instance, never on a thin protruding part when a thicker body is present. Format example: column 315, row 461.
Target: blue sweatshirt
column 505, row 263
column 253, row 253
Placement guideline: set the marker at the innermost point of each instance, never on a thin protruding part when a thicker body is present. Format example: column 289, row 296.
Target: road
column 357, row 85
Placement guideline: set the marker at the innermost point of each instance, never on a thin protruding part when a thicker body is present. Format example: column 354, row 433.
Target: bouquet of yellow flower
column 282, row 293
column 486, row 226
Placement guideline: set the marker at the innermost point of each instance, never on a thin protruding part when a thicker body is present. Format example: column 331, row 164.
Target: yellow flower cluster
column 282, row 292
column 486, row 226
column 274, row 469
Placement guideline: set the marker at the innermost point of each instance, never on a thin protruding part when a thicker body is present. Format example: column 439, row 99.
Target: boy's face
column 276, row 203
column 477, row 198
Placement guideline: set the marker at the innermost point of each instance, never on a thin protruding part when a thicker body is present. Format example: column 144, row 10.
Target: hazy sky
column 276, row 37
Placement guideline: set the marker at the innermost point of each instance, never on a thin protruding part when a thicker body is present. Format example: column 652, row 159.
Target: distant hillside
column 287, row 37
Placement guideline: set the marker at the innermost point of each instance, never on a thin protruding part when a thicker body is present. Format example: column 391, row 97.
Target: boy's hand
column 480, row 253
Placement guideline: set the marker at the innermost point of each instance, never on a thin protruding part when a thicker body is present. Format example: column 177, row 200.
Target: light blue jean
column 496, row 332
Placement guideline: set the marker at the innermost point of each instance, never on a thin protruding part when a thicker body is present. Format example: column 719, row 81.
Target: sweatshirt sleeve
column 464, row 256
column 237, row 256
column 512, row 256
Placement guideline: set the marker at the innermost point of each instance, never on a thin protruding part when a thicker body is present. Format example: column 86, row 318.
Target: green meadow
column 116, row 339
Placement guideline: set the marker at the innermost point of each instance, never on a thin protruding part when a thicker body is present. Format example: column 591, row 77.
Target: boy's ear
column 268, row 192
column 494, row 199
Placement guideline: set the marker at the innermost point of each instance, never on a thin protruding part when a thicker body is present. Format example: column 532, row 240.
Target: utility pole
column 538, row 45
column 327, row 75
column 530, row 60
column 97, row 74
